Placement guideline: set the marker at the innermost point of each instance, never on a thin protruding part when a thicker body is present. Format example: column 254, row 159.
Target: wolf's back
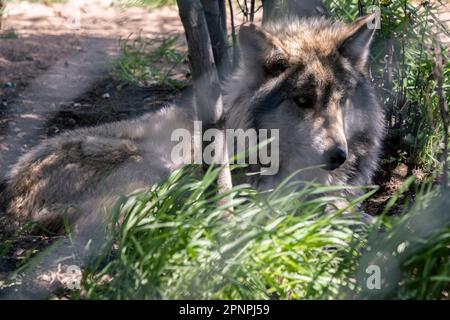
column 75, row 173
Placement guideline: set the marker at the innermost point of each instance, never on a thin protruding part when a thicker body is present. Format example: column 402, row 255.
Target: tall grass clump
column 176, row 241
column 412, row 251
column 146, row 62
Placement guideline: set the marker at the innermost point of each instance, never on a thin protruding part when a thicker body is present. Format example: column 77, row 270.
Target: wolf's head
column 306, row 77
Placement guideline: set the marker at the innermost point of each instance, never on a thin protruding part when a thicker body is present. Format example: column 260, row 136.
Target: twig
column 243, row 10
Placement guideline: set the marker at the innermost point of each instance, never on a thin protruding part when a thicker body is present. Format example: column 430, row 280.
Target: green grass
column 177, row 242
column 146, row 63
column 9, row 35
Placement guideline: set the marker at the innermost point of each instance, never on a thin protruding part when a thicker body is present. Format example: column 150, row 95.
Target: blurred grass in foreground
column 176, row 242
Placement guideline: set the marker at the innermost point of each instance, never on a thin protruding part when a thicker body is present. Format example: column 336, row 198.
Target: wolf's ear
column 355, row 45
column 260, row 47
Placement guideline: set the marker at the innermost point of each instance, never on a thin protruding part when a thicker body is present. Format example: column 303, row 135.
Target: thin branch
column 243, row 10
column 259, row 8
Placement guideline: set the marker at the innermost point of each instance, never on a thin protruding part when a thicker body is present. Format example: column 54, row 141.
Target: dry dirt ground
column 56, row 75
column 62, row 52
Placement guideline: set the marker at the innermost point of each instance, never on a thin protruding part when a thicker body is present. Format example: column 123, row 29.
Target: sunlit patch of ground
column 93, row 18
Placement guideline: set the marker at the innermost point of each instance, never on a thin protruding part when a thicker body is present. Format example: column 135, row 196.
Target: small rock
column 106, row 96
column 49, row 277
column 401, row 170
column 77, row 105
column 9, row 85
column 19, row 252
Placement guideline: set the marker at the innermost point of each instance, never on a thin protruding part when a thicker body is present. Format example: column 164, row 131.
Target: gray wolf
column 306, row 77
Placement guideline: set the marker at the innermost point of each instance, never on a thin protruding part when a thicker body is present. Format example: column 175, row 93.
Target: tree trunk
column 215, row 16
column 207, row 91
column 268, row 8
column 252, row 11
column 223, row 15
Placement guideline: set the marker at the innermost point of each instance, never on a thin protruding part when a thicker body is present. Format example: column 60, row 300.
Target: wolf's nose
column 336, row 158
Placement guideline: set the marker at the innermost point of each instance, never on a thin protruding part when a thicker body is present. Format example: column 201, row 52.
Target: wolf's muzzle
column 335, row 158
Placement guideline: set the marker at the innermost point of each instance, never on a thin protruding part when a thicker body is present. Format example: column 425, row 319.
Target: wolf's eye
column 304, row 102
column 342, row 100
column 300, row 100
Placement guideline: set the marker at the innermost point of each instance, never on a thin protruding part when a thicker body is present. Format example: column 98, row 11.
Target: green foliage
column 401, row 68
column 412, row 251
column 9, row 35
column 176, row 241
column 146, row 63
